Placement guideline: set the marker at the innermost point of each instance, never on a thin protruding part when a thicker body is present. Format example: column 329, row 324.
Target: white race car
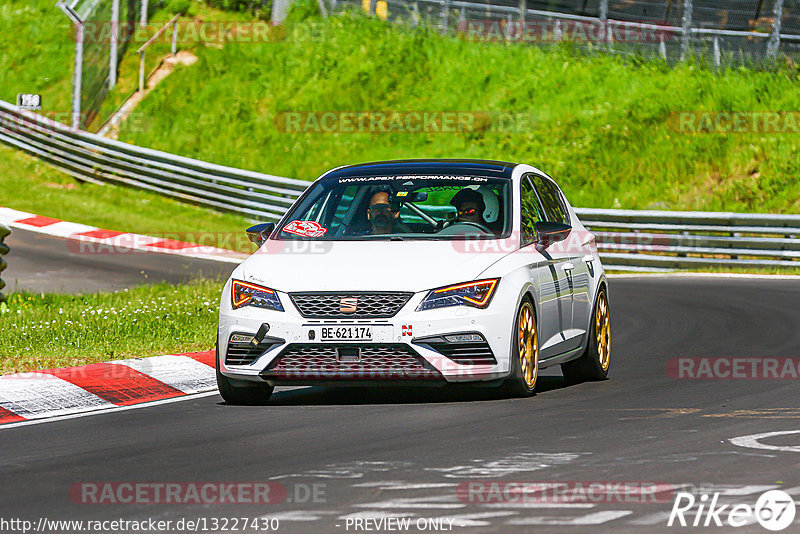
column 421, row 272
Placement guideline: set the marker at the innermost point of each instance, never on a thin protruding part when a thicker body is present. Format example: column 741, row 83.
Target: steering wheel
column 456, row 224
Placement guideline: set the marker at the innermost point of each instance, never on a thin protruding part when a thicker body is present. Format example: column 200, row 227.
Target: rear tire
column 596, row 359
column 524, row 353
column 240, row 392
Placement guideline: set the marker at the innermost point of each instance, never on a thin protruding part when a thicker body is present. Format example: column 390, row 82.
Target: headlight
column 247, row 294
column 477, row 294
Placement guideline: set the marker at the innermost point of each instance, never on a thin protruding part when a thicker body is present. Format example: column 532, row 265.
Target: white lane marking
column 753, row 441
column 400, row 485
column 471, row 520
column 508, row 466
column 596, row 518
column 411, row 503
column 38, row 395
column 540, row 505
column 348, row 470
column 300, row 515
column 110, row 410
column 181, row 372
column 431, row 501
column 657, row 518
column 377, row 514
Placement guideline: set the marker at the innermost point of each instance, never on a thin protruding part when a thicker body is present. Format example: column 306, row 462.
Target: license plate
column 350, row 332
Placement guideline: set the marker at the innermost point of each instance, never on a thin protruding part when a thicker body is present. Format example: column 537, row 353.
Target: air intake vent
column 342, row 361
column 243, row 352
column 473, row 352
column 353, row 305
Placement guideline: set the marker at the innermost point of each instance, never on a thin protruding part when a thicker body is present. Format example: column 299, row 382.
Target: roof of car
column 463, row 167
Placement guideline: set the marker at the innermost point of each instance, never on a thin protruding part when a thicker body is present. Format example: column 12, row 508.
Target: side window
column 555, row 210
column 531, row 212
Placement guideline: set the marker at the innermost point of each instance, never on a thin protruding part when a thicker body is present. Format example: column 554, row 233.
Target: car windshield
column 401, row 207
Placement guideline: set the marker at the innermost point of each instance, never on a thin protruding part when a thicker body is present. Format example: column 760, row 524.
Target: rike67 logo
column 774, row 510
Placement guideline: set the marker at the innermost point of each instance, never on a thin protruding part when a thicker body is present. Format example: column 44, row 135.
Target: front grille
column 245, row 354
column 368, row 305
column 465, row 353
column 377, row 362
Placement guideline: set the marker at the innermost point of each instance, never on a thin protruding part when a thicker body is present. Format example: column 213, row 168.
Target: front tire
column 239, row 392
column 524, row 353
column 595, row 361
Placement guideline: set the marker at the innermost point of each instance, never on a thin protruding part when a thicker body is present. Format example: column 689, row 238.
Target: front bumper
column 288, row 356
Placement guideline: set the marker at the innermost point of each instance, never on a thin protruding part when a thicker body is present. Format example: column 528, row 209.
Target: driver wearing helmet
column 470, row 206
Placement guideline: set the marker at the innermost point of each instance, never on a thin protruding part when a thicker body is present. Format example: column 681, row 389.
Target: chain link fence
column 733, row 32
column 102, row 31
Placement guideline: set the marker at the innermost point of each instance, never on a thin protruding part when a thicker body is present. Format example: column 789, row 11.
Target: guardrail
column 627, row 239
column 4, row 231
column 668, row 240
column 94, row 158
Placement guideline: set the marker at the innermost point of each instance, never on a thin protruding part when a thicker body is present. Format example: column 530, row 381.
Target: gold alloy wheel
column 528, row 340
column 602, row 329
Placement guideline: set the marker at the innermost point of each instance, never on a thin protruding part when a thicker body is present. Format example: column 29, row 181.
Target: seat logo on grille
column 348, row 304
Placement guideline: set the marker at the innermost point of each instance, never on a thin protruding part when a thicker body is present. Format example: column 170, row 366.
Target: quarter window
column 531, row 212
column 555, row 209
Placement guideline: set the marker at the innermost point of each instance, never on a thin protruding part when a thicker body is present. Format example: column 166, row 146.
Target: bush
column 179, row 6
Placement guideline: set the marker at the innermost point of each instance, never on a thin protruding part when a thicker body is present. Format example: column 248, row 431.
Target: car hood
column 368, row 265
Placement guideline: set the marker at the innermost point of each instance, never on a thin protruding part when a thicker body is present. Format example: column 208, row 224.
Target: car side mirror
column 259, row 233
column 548, row 233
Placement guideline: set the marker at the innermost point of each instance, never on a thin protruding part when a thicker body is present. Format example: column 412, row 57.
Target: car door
column 554, row 296
column 558, row 277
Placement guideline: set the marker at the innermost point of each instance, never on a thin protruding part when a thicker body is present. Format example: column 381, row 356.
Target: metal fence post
column 141, row 71
column 604, row 19
column 717, row 59
column 686, row 26
column 4, row 231
column 775, row 36
column 174, row 48
column 445, row 14
column 143, row 16
column 77, row 77
column 77, row 73
column 114, row 48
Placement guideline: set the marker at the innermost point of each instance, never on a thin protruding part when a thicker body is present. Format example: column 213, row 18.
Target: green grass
column 111, row 207
column 42, row 331
column 600, row 122
column 36, row 53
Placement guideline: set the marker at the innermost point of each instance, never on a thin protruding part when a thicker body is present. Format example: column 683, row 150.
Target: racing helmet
column 491, row 210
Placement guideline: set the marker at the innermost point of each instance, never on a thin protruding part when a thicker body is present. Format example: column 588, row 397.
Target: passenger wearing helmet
column 472, row 207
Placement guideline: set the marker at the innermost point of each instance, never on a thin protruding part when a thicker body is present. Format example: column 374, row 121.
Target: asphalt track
column 404, row 452
column 39, row 262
